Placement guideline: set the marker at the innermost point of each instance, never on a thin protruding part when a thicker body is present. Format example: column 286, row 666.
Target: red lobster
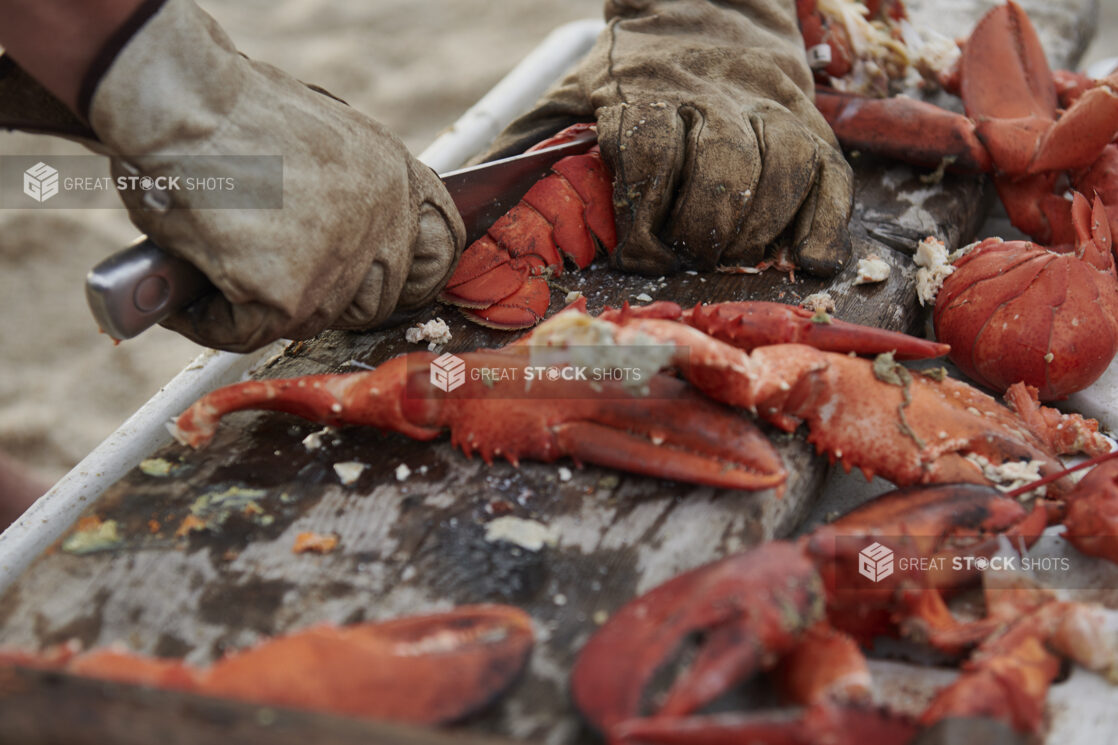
column 1037, row 153
column 873, row 415
column 421, row 669
column 803, row 607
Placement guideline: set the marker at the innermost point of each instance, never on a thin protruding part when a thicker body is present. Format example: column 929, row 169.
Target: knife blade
column 138, row 287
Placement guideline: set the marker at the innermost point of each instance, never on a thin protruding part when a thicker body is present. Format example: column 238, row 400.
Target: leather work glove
column 365, row 229
column 705, row 117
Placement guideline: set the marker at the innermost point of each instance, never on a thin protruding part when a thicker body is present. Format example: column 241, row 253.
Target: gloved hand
column 364, row 227
column 705, row 116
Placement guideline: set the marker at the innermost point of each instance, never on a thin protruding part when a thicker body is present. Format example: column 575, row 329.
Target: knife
column 141, row 285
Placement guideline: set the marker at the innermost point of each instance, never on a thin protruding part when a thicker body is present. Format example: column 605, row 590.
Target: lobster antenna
column 1045, row 481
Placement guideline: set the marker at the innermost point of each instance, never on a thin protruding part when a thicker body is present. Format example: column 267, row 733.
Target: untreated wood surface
column 420, row 544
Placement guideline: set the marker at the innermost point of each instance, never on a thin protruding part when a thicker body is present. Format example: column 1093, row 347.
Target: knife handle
column 138, row 287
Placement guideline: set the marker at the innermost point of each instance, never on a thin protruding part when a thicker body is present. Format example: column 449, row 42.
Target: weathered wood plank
column 420, row 544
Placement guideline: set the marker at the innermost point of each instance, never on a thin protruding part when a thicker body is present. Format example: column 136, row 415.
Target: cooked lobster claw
column 751, row 608
column 664, row 429
column 421, row 669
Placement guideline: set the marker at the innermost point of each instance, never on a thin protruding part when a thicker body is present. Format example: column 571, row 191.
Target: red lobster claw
column 665, row 429
column 422, row 669
column 749, row 607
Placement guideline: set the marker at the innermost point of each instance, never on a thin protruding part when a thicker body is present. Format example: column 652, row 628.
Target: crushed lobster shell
column 528, row 534
column 935, row 267
column 872, row 269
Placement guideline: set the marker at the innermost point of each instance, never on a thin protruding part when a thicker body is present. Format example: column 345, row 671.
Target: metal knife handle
column 138, row 287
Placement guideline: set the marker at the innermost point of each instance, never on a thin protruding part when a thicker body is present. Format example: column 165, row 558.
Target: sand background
column 415, row 65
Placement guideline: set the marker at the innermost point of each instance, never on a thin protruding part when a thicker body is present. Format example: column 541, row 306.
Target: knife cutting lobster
column 138, row 287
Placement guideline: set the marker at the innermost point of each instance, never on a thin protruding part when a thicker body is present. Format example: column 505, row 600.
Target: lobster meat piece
column 501, row 279
column 1015, row 311
column 750, row 616
column 672, row 432
column 423, row 669
column 854, row 42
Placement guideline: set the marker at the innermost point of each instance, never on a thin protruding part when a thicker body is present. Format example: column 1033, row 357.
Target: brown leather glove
column 705, row 116
column 364, row 228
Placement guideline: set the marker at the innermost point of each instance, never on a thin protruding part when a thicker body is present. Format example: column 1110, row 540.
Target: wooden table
column 419, row 544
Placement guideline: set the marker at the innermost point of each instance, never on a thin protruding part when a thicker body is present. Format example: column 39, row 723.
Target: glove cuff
column 173, row 83
column 108, row 53
column 28, row 106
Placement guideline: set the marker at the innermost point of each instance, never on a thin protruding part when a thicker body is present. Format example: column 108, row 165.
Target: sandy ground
column 416, row 65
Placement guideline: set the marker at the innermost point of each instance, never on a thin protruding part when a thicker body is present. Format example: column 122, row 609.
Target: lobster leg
column 751, row 324
column 748, row 325
column 904, row 129
column 368, row 398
